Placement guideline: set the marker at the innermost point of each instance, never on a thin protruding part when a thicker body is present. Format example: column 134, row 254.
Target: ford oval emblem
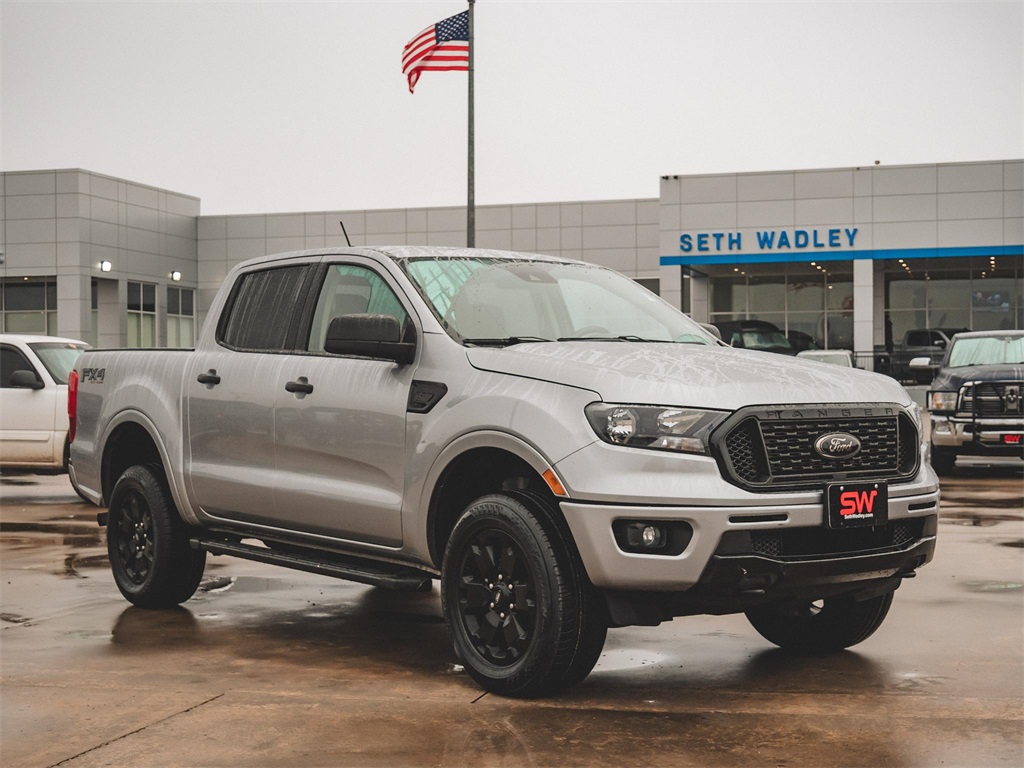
column 837, row 445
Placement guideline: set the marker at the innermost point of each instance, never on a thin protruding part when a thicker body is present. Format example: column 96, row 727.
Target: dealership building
column 845, row 258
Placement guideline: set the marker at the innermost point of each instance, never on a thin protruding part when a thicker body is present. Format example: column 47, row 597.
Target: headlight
column 651, row 426
column 942, row 401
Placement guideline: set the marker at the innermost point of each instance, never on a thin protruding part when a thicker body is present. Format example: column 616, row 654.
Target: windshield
column 987, row 350
column 765, row 340
column 506, row 300
column 59, row 358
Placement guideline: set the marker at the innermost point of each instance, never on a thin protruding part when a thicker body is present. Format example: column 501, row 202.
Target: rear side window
column 263, row 309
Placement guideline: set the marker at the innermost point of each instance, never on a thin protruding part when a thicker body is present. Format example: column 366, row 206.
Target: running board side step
column 362, row 570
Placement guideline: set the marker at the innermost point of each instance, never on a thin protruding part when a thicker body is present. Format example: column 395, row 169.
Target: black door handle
column 210, row 377
column 300, row 386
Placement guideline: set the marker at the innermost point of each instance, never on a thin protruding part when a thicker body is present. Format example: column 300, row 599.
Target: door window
column 12, row 360
column 263, row 310
column 349, row 289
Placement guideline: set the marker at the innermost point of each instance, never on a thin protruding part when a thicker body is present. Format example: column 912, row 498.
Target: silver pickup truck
column 562, row 449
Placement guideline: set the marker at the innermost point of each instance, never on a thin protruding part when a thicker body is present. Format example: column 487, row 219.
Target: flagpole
column 470, row 194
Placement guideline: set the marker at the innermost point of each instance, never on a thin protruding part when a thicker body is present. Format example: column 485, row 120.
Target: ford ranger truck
column 564, row 451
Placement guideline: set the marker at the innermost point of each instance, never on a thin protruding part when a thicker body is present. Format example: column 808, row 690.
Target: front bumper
column 982, row 437
column 609, row 567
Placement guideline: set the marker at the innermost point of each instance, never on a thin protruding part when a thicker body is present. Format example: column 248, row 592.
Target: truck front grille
column 991, row 399
column 774, row 450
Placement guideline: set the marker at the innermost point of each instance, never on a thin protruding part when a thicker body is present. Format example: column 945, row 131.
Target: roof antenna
column 345, row 232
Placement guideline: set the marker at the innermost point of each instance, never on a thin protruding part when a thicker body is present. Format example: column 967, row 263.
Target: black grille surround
column 987, row 399
column 771, row 448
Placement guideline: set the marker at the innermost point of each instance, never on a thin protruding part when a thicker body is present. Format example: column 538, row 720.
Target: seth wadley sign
column 768, row 240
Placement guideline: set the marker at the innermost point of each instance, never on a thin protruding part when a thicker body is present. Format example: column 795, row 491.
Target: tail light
column 72, row 404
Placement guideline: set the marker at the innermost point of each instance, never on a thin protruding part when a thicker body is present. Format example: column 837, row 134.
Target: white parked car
column 34, row 400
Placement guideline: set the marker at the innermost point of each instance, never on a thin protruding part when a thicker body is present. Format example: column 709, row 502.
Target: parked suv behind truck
column 562, row 449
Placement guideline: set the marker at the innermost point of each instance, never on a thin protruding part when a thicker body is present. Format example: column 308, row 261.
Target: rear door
column 231, row 391
column 341, row 447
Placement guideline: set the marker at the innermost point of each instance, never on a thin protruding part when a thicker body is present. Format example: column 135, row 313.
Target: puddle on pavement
column 619, row 660
column 977, row 519
column 1017, row 543
column 77, row 562
column 992, row 586
column 980, row 500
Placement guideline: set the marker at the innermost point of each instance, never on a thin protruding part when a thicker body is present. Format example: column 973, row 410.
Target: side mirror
column 920, row 362
column 26, row 380
column 940, row 343
column 712, row 330
column 378, row 336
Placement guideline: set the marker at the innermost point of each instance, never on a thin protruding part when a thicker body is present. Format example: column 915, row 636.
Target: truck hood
column 950, row 379
column 687, row 374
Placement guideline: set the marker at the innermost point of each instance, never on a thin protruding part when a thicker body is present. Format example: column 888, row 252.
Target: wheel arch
column 131, row 438
column 473, row 466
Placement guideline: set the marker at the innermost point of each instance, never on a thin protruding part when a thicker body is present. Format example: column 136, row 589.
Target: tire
column 943, row 461
column 148, row 542
column 824, row 626
column 513, row 548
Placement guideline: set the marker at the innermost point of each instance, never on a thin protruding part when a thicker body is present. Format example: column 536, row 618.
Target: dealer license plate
column 850, row 505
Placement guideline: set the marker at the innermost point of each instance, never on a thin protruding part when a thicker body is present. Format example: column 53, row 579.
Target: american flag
column 441, row 47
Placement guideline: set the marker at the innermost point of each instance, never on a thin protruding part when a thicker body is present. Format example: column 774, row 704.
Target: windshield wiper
column 615, row 338
column 507, row 341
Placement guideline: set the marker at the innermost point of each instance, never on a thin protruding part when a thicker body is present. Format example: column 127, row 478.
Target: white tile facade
column 62, row 224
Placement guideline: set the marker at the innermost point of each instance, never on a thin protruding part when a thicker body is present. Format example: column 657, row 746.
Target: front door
column 341, row 447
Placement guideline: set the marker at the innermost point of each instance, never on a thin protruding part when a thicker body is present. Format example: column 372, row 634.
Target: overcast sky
column 302, row 106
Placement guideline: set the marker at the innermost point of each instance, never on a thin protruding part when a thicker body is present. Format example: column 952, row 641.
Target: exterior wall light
column 175, row 275
column 105, row 266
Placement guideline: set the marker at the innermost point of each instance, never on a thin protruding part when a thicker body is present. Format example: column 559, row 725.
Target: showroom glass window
column 180, row 317
column 983, row 294
column 28, row 306
column 141, row 315
column 811, row 304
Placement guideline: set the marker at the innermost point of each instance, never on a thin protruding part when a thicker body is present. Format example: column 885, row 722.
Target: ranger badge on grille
column 837, row 445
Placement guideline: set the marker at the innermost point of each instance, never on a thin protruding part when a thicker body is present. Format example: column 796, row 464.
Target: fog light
column 644, row 536
column 652, row 537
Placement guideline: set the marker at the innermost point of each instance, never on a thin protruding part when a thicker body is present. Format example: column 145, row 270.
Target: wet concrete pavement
column 269, row 667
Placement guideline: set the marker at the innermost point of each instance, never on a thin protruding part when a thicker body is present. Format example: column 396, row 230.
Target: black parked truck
column 975, row 400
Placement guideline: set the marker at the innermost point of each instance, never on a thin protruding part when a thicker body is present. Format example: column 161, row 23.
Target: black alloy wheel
column 496, row 594
column 135, row 543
